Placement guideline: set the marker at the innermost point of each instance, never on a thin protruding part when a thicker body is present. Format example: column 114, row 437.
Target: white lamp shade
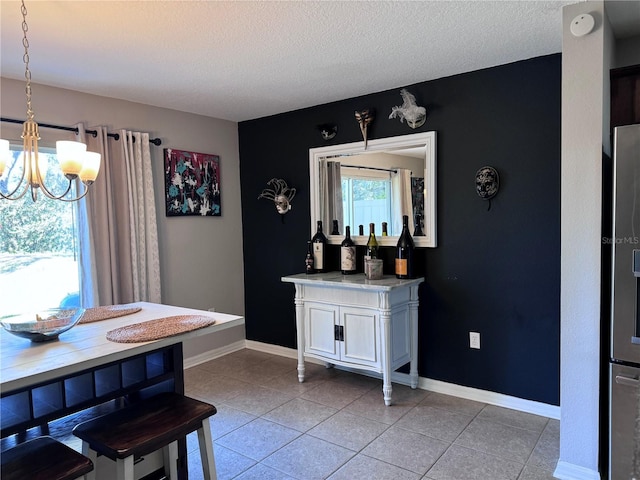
column 90, row 167
column 5, row 154
column 70, row 156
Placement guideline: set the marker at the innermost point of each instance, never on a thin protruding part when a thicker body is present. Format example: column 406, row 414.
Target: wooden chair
column 147, row 426
column 43, row 458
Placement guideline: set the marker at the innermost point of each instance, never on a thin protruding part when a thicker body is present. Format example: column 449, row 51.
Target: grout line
column 341, row 376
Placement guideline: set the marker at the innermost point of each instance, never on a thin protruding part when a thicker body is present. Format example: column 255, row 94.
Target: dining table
column 44, row 381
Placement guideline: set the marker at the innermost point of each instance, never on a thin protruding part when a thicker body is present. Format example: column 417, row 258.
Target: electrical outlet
column 474, row 340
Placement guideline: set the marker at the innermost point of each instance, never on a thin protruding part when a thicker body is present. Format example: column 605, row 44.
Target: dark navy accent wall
column 494, row 271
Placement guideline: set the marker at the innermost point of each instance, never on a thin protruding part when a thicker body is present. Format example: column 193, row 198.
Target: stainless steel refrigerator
column 624, row 365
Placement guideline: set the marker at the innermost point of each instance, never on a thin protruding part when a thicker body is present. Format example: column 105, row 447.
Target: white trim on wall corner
column 484, row 396
column 569, row 471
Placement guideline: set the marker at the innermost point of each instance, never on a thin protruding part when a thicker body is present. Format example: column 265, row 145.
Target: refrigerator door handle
column 628, row 381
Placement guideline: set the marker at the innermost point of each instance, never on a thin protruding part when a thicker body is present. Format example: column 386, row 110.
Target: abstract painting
column 192, row 183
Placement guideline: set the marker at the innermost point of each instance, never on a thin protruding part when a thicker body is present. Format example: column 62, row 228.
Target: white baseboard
column 215, row 353
column 569, row 471
column 268, row 348
column 492, row 398
column 484, row 396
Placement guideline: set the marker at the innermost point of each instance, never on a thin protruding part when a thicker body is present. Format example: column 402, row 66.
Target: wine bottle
column 384, row 229
column 348, row 254
column 361, row 230
column 335, row 230
column 308, row 261
column 372, row 243
column 319, row 247
column 404, row 251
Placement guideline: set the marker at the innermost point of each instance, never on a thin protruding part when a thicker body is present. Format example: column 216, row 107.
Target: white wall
column 585, row 113
column 200, row 258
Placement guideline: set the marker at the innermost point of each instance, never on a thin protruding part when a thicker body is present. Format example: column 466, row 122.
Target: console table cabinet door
column 343, row 334
column 361, row 345
column 320, row 322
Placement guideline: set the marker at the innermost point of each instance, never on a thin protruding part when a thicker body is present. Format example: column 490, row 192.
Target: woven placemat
column 159, row 328
column 95, row 314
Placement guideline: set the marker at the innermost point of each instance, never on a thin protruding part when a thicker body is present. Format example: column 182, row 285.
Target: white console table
column 350, row 321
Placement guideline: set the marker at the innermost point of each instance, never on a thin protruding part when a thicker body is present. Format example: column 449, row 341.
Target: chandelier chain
column 76, row 165
column 25, row 58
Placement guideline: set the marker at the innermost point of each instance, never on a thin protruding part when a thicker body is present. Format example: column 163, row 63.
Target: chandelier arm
column 75, row 199
column 10, row 195
column 48, row 193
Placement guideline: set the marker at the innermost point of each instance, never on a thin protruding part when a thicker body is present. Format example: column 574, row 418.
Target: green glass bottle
column 372, row 243
column 348, row 254
column 308, row 262
column 319, row 241
column 404, row 251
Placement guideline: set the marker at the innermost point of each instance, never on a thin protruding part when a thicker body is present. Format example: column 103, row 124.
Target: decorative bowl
column 43, row 325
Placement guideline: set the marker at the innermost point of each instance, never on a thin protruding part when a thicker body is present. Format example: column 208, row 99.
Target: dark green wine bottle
column 348, row 254
column 404, row 251
column 308, row 261
column 319, row 241
column 335, row 230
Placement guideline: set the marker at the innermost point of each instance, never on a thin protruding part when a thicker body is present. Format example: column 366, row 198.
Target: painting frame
column 192, row 183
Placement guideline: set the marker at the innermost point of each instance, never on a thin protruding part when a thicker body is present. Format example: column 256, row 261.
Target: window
column 38, row 244
column 366, row 197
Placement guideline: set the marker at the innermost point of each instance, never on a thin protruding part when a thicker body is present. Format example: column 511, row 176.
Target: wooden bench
column 43, row 458
column 147, row 426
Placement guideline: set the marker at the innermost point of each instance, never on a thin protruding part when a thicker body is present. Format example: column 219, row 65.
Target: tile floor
column 335, row 426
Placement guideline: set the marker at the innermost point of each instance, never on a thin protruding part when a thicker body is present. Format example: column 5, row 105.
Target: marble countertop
column 357, row 281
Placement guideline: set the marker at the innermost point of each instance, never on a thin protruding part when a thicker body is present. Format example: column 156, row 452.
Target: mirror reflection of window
column 376, row 195
column 366, row 197
column 396, row 170
column 415, row 153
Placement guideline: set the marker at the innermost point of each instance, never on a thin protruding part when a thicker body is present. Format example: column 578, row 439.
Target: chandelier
column 76, row 164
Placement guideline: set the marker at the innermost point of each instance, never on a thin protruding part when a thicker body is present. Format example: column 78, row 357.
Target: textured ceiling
column 248, row 59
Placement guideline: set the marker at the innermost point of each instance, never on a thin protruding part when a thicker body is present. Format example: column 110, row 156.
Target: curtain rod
column 369, row 168
column 116, row 136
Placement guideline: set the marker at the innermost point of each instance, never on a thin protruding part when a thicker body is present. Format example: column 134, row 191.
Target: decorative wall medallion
column 409, row 111
column 487, row 183
column 328, row 131
column 280, row 193
column 365, row 118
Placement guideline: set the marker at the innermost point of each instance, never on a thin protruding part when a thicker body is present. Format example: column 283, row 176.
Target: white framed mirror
column 393, row 177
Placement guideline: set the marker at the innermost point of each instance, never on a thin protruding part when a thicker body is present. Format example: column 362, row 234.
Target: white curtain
column 122, row 221
column 401, row 199
column 145, row 255
column 330, row 189
column 86, row 258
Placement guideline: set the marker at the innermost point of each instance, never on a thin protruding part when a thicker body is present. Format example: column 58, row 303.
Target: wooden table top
column 24, row 363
